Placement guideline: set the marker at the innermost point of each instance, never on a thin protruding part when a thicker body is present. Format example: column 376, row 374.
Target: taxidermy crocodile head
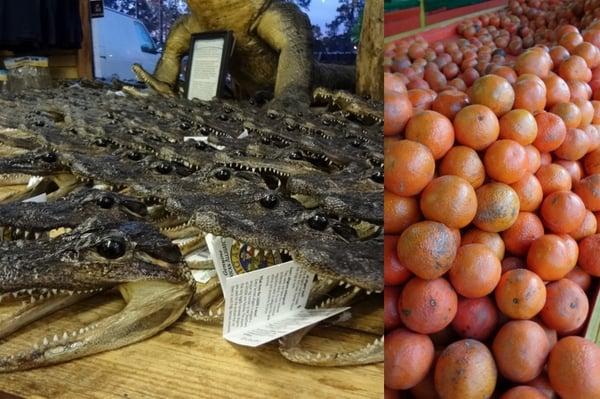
column 49, row 274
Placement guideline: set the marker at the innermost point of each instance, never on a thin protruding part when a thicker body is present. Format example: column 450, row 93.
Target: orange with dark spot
column 506, row 161
column 433, row 130
column 428, row 249
column 494, row 92
column 497, row 207
column 526, row 229
column 518, row 125
column 562, row 211
column 551, row 131
column 476, row 126
column 475, row 271
column 463, row 162
column 450, row 200
column 548, row 257
column 520, row 294
column 427, row 306
column 566, row 307
column 530, row 193
column 408, row 167
column 520, row 349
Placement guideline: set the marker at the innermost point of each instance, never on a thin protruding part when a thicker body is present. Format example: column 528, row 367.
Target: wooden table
column 191, row 360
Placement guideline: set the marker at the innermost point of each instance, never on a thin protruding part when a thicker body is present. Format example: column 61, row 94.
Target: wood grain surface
column 191, row 360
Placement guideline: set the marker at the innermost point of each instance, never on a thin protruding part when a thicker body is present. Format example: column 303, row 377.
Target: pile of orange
column 492, row 199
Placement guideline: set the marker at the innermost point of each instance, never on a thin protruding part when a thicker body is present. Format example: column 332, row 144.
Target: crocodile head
column 47, row 275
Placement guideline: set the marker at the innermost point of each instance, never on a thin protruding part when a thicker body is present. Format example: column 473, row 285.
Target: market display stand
column 192, row 360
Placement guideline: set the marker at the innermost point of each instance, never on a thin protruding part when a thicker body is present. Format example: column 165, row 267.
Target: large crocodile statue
column 273, row 50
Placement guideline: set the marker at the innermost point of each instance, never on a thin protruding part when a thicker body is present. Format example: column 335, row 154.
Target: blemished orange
column 491, row 240
column 450, row 200
column 476, row 126
column 427, row 306
column 520, row 349
column 557, row 90
column 464, row 162
column 520, row 294
column 475, row 271
column 497, row 207
column 408, row 166
column 427, row 248
column 506, row 161
column 562, row 212
column 566, row 307
column 553, row 177
column 574, row 367
column 575, row 145
column 530, row 193
column 569, row 113
column 548, row 257
column 495, row 92
column 587, row 190
column 518, row 125
column 523, row 392
column 433, row 130
column 530, row 93
column 465, row 369
column 399, row 212
column 551, row 131
column 526, row 229
column 408, row 358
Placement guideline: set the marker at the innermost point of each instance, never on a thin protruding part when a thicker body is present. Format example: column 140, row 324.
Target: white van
column 119, row 41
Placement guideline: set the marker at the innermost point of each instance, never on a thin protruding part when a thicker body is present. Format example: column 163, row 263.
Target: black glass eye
column 49, row 157
column 39, row 123
column 295, row 155
column 164, row 168
column 270, row 201
column 223, row 174
column 105, row 202
column 185, row 125
column 318, row 222
column 265, row 140
column 101, row 142
column 134, row 155
column 377, row 177
column 112, row 248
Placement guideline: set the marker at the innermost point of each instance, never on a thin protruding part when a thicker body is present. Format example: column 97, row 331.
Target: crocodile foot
column 160, row 87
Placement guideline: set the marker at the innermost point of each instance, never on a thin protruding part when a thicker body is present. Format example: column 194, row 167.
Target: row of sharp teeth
column 44, row 293
column 234, row 165
column 258, row 251
column 65, row 336
column 346, row 285
column 18, row 233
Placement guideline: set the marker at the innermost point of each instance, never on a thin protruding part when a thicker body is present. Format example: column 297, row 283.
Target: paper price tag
column 42, row 198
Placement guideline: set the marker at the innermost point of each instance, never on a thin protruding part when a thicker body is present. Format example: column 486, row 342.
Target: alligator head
column 50, row 274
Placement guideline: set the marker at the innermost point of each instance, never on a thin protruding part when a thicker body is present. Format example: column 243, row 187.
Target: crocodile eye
column 223, row 174
column 134, row 155
column 377, row 177
column 49, row 157
column 105, row 202
column 270, row 201
column 112, row 248
column 318, row 222
column 164, row 168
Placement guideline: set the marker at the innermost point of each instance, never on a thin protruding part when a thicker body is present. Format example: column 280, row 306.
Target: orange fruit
column 589, row 261
column 463, row 162
column 569, row 113
column 575, row 145
column 588, row 190
column 551, row 131
column 497, row 207
column 557, row 90
column 475, row 271
column 579, row 277
column 562, row 211
column 511, row 263
column 586, row 228
column 587, row 112
column 542, row 383
column 533, row 61
column 574, row 367
column 594, row 135
column 427, row 249
column 450, row 200
column 393, row 82
column 575, row 68
column 397, row 111
column 520, row 349
column 534, row 158
column 399, row 212
column 427, row 306
column 558, row 54
column 421, row 99
column 520, row 294
column 433, row 130
column 476, row 126
column 506, row 72
column 591, row 162
column 408, row 167
column 572, row 249
column 506, row 161
column 394, row 272
column 530, row 93
column 526, row 229
column 548, row 257
column 574, row 169
column 523, row 392
column 530, row 193
column 589, row 53
column 545, row 158
column 553, row 177
column 596, row 117
column 475, row 318
column 408, row 358
column 465, row 369
column 592, row 35
column 518, row 125
column 494, row 92
column 566, row 307
column 491, row 240
column 449, row 102
column 579, row 90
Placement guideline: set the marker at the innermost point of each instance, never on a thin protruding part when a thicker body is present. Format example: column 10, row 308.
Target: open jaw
column 47, row 275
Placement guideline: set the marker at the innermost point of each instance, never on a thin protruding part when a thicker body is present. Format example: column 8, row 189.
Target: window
column 148, row 45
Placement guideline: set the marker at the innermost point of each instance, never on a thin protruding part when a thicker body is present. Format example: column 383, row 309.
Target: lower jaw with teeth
column 10, row 233
column 150, row 307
